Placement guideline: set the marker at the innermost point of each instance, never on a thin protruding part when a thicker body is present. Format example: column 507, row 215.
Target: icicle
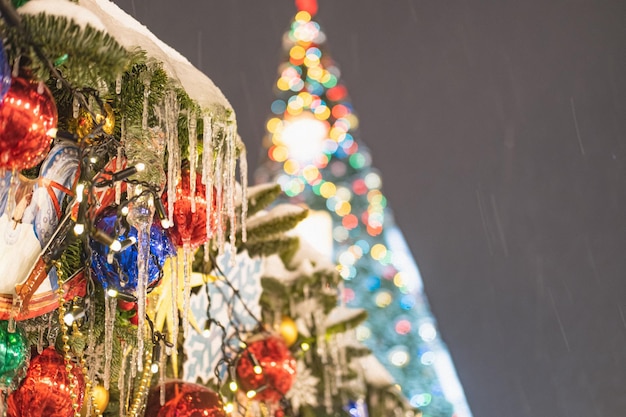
column 109, row 321
column 174, row 294
column 341, row 290
column 121, row 381
column 328, row 399
column 193, row 158
column 13, row 186
column 243, row 173
column 219, row 197
column 162, row 374
column 118, row 84
column 231, row 159
column 118, row 162
column 75, row 107
column 133, row 359
column 173, row 161
column 146, row 94
column 187, row 262
column 40, row 340
column 141, row 216
column 208, row 177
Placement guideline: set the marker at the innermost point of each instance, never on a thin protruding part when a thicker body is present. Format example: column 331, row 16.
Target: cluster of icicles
column 222, row 150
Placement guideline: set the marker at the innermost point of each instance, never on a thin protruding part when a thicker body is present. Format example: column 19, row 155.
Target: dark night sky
column 499, row 127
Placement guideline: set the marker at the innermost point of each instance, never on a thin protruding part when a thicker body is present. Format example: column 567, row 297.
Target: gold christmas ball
column 84, row 124
column 100, row 400
column 288, row 330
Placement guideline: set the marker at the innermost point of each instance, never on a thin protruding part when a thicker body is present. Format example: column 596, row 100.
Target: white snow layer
column 128, row 32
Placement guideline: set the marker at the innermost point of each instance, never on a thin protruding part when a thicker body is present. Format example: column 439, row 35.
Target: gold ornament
column 84, row 124
column 288, row 330
column 99, row 402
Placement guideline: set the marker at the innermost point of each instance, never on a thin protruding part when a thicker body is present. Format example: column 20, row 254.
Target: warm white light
column 79, row 229
column 68, row 319
column 257, row 370
column 251, row 394
column 116, row 246
column 140, row 166
column 304, row 137
column 233, row 386
column 165, row 223
column 112, row 293
column 80, row 189
column 229, row 407
column 154, row 368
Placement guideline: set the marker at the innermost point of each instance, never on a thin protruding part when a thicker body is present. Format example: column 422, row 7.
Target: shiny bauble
column 28, row 121
column 84, row 124
column 189, row 228
column 45, row 390
column 184, row 399
column 100, row 401
column 267, row 368
column 14, row 353
column 288, row 330
column 121, row 275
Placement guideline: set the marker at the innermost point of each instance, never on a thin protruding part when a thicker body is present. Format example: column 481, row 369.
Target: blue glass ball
column 121, row 274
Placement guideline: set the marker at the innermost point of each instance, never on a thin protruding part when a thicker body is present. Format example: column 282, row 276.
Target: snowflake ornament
column 304, row 388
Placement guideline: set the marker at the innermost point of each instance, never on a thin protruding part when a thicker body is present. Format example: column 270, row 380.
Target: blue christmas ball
column 5, row 72
column 121, row 274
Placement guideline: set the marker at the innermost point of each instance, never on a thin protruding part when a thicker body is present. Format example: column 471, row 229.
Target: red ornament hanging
column 267, row 368
column 189, row 228
column 45, row 391
column 28, row 120
column 184, row 399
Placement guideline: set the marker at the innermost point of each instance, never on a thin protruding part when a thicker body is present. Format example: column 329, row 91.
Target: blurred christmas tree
column 316, row 158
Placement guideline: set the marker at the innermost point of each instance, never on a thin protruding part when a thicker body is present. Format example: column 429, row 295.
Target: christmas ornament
column 45, row 390
column 184, row 399
column 121, row 274
column 189, row 228
column 288, row 330
column 100, row 400
column 265, row 369
column 5, row 72
column 84, row 124
column 28, row 119
column 14, row 354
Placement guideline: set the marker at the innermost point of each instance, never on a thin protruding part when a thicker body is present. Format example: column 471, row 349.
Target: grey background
column 499, row 127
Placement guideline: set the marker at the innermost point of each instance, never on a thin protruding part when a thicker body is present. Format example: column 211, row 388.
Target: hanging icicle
column 170, row 116
column 118, row 162
column 187, row 263
column 208, row 179
column 174, row 297
column 141, row 216
column 219, row 197
column 110, row 305
column 193, row 157
column 230, row 184
column 243, row 175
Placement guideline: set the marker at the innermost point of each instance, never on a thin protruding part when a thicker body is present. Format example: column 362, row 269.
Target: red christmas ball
column 28, row 119
column 45, row 391
column 184, row 399
column 267, row 368
column 189, row 228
